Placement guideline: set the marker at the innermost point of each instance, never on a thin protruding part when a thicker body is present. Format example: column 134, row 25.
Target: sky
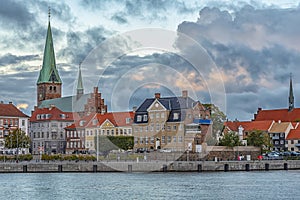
column 235, row 54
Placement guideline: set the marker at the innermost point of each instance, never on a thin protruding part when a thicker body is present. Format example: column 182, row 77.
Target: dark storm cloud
column 13, row 13
column 120, row 19
column 8, row 59
column 141, row 9
column 79, row 44
column 256, row 49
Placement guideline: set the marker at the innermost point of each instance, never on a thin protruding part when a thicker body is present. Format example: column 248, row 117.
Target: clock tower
column 49, row 82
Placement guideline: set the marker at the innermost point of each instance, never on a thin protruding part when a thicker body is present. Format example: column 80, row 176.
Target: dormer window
column 145, row 118
column 139, row 118
column 176, row 116
column 63, row 116
column 81, row 123
column 95, row 121
column 38, row 117
column 128, row 120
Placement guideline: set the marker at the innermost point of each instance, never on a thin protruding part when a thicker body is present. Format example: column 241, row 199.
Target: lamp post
column 97, row 152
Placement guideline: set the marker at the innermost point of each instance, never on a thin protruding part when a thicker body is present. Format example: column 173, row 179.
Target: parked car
column 273, row 155
column 294, row 153
column 166, row 150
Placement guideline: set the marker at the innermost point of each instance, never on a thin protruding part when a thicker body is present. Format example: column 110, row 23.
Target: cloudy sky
column 236, row 54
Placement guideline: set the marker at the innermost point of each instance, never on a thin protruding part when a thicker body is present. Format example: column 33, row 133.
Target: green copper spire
column 49, row 73
column 79, row 82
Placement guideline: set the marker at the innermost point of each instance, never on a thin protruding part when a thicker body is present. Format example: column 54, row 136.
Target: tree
column 260, row 139
column 218, row 118
column 108, row 143
column 17, row 139
column 231, row 139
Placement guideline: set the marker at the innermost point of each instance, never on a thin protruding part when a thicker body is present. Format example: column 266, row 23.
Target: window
column 162, row 115
column 179, row 138
column 141, row 140
column 139, row 118
column 157, row 127
column 152, row 140
column 157, row 115
column 276, row 142
column 127, row 120
column 95, row 121
column 146, row 140
column 135, row 140
column 175, row 116
column 146, row 129
column 151, row 115
column 281, row 134
column 169, row 139
column 174, row 138
column 151, row 127
column 145, row 118
column 168, row 128
column 281, row 141
column 163, row 138
column 107, row 132
column 112, row 132
column 174, row 127
column 292, row 141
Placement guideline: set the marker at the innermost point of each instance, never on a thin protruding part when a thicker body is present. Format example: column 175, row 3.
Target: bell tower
column 49, row 82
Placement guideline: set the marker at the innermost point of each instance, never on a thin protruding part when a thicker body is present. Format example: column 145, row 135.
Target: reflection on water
column 219, row 185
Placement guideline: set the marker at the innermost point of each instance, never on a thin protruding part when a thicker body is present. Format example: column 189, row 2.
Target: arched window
column 50, row 88
column 54, row 88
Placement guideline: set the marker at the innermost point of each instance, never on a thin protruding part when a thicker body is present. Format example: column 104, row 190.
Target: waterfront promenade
column 149, row 166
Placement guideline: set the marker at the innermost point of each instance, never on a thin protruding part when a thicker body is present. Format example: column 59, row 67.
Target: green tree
column 218, row 118
column 108, row 143
column 260, row 139
column 230, row 139
column 17, row 139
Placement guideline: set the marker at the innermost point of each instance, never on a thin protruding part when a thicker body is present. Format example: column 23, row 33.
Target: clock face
column 156, row 105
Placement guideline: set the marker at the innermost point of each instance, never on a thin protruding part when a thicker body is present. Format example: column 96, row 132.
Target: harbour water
column 217, row 185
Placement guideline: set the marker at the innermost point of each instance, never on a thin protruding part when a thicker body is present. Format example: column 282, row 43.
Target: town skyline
column 255, row 65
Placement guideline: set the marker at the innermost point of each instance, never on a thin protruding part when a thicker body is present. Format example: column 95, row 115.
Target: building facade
column 11, row 118
column 47, row 130
column 169, row 123
column 81, row 135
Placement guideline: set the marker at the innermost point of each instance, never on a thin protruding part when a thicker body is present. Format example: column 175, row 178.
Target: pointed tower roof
column 291, row 95
column 79, row 82
column 49, row 73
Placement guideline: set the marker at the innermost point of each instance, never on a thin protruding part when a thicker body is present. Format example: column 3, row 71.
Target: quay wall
column 154, row 166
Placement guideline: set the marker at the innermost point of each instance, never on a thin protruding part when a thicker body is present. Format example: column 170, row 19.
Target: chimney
column 134, row 108
column 95, row 90
column 2, row 102
column 184, row 93
column 10, row 102
column 157, row 95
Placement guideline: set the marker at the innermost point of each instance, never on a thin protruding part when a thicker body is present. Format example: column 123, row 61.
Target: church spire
column 79, row 82
column 49, row 73
column 49, row 82
column 291, row 95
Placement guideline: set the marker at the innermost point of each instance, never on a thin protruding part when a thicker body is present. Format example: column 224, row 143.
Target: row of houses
column 175, row 123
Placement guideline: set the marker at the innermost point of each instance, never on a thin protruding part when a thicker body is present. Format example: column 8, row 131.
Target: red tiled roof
column 282, row 114
column 116, row 118
column 249, row 125
column 54, row 114
column 10, row 110
column 294, row 134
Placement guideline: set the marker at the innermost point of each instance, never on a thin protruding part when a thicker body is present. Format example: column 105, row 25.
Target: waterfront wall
column 178, row 166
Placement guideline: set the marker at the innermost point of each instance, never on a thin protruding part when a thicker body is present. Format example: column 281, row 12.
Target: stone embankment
column 154, row 166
